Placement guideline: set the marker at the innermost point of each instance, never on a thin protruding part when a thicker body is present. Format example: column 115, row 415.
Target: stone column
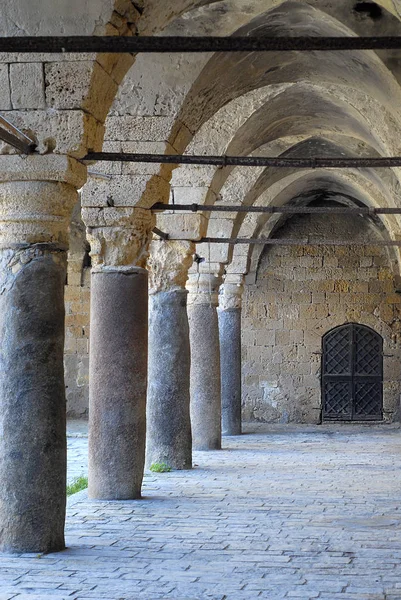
column 229, row 311
column 118, row 351
column 205, row 361
column 169, row 438
column 34, row 219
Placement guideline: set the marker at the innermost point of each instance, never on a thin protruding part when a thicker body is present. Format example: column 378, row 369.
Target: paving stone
column 305, row 512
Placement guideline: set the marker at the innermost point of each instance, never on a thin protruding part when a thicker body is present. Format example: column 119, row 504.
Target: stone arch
column 302, row 189
column 307, row 291
column 180, row 133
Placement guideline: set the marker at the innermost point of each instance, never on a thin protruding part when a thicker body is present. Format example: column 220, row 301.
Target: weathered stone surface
column 27, row 85
column 118, row 236
column 30, row 18
column 67, row 85
column 77, row 321
column 185, row 226
column 125, row 190
column 143, row 129
column 23, row 205
column 300, row 294
column 118, row 380
column 60, row 132
column 34, row 218
column 203, row 286
column 168, row 264
column 43, row 168
column 229, row 314
column 5, row 99
column 205, row 362
column 230, row 295
column 32, row 399
column 169, row 437
column 282, row 512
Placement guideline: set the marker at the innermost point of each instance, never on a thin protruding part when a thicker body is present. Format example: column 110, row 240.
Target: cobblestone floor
column 303, row 512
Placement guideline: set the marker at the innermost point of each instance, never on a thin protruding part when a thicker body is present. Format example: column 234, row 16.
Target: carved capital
column 204, row 288
column 168, row 265
column 230, row 296
column 50, row 167
column 35, row 212
column 119, row 237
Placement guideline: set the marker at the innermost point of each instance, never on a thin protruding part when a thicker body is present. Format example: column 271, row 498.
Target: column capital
column 119, row 236
column 168, row 265
column 204, row 287
column 49, row 167
column 37, row 196
column 230, row 296
column 35, row 212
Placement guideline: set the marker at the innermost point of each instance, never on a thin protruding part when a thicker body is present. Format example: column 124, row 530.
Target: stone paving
column 77, row 449
column 297, row 512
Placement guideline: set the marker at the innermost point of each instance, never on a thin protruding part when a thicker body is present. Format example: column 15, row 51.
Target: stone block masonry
column 300, row 294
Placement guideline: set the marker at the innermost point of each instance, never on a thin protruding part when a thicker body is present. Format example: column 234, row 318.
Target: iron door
column 352, row 374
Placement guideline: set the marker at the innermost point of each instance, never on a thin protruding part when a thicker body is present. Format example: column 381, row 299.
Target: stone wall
column 300, row 294
column 77, row 302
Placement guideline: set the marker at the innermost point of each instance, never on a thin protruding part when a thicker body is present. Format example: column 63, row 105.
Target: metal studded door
column 352, row 374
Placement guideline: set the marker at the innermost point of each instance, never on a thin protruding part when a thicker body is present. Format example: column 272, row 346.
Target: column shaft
column 118, row 381
column 169, row 437
column 32, row 399
column 230, row 358
column 205, row 377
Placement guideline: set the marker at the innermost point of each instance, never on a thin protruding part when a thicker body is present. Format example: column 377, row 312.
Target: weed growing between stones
column 77, row 485
column 160, row 468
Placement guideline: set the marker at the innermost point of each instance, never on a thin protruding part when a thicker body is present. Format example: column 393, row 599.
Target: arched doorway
column 352, row 374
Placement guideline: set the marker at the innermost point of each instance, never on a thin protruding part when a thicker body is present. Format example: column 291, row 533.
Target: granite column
column 169, row 438
column 230, row 356
column 118, row 352
column 205, row 361
column 34, row 219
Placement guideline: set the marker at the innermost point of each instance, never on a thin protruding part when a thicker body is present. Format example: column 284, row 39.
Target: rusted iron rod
column 278, row 241
column 291, row 242
column 160, row 233
column 125, row 44
column 16, row 138
column 294, row 210
column 249, row 161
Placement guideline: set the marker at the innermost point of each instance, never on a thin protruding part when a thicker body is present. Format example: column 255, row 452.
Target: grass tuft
column 160, row 468
column 77, row 485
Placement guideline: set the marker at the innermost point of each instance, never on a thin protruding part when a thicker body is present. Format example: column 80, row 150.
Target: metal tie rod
column 294, row 210
column 292, row 242
column 16, row 138
column 134, row 45
column 277, row 241
column 248, row 161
